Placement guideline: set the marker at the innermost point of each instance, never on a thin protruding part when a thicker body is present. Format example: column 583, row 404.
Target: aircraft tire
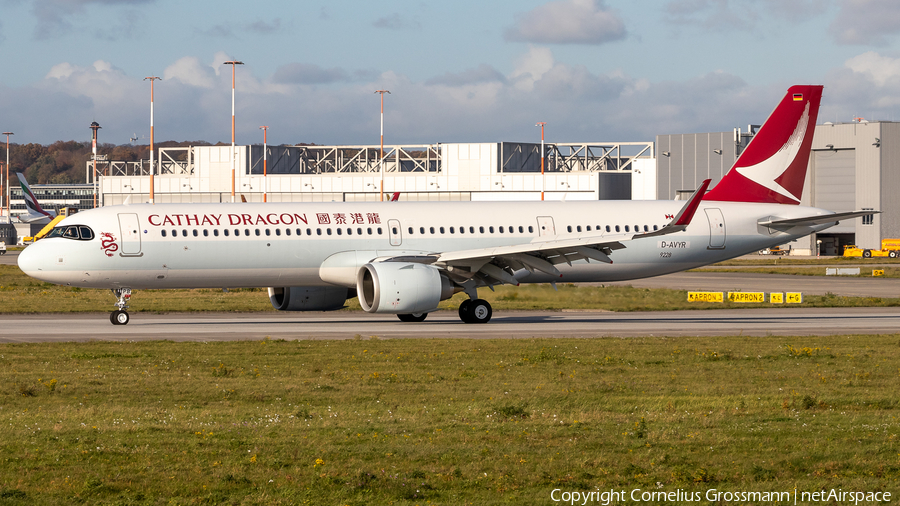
column 119, row 317
column 479, row 311
column 867, row 254
column 464, row 310
column 412, row 318
column 892, row 254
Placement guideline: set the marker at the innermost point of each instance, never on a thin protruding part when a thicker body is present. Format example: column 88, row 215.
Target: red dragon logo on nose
column 108, row 243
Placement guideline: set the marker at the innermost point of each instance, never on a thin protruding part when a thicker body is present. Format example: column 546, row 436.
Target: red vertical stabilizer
column 772, row 168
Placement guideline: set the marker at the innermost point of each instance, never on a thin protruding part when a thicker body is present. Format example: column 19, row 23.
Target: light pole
column 541, row 124
column 265, row 130
column 233, row 63
column 381, row 190
column 6, row 179
column 94, row 127
column 152, row 165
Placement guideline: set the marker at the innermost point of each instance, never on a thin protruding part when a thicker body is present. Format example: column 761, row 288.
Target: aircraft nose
column 31, row 260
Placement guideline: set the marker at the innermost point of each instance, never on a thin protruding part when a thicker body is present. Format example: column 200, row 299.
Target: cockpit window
column 77, row 232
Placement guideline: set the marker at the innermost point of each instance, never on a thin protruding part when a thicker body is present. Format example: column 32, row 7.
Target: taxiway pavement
column 443, row 324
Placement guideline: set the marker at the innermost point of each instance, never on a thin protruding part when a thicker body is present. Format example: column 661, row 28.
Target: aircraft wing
column 496, row 264
column 815, row 220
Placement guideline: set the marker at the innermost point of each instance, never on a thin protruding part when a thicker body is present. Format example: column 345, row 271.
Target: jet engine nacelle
column 309, row 298
column 401, row 287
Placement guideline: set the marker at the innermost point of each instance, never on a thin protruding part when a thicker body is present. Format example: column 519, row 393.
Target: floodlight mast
column 381, row 161
column 6, row 180
column 265, row 130
column 541, row 124
column 152, row 164
column 233, row 63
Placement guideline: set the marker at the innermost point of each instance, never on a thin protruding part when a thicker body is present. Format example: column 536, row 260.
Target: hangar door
column 835, row 185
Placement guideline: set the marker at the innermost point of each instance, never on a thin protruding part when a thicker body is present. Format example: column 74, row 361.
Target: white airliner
column 35, row 214
column 404, row 258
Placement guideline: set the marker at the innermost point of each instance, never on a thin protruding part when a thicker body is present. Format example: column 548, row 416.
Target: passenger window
column 338, row 231
column 163, row 232
column 379, row 230
column 617, row 228
column 646, row 228
column 86, row 233
column 442, row 230
column 452, row 230
column 318, row 231
column 578, row 228
column 216, row 232
column 462, row 230
column 278, row 231
column 501, row 230
column 654, row 228
column 256, row 231
column 194, row 232
column 410, row 230
column 431, row 230
column 205, row 233
column 369, row 230
column 247, row 232
column 491, row 229
column 225, row 232
column 607, row 228
column 299, row 231
column 521, row 230
column 588, row 228
column 393, row 230
column 359, row 231
column 530, row 229
column 237, row 232
column 626, row 228
column 471, row 230
column 481, row 230
column 569, row 228
column 268, row 232
column 421, row 230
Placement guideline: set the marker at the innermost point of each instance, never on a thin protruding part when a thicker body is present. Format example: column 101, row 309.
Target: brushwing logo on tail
column 767, row 172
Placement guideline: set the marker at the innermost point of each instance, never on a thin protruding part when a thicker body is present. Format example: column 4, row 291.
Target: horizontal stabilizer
column 820, row 219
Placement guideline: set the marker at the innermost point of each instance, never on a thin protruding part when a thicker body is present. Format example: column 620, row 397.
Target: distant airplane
column 35, row 214
column 404, row 258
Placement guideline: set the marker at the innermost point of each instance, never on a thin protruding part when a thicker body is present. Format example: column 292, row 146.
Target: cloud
column 727, row 15
column 55, row 17
column 396, row 22
column 567, row 22
column 869, row 22
column 482, row 74
column 263, row 27
column 190, row 71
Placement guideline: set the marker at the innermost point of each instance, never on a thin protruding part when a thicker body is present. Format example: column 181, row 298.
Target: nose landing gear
column 120, row 315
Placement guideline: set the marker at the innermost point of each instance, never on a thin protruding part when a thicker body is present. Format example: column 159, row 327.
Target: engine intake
column 401, row 287
column 309, row 298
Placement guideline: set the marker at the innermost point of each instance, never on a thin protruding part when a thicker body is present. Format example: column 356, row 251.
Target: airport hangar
column 853, row 166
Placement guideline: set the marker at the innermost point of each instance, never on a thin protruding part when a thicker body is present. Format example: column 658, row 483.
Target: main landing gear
column 475, row 311
column 120, row 315
column 470, row 311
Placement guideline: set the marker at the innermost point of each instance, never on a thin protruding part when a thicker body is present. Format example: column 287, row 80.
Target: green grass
column 425, row 421
column 21, row 294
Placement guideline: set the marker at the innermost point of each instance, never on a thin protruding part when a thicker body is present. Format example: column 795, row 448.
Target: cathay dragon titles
column 404, row 258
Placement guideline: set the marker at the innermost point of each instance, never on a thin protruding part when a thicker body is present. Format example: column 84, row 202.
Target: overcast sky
column 462, row 71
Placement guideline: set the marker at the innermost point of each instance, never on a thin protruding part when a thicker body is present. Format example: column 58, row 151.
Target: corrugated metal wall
column 692, row 158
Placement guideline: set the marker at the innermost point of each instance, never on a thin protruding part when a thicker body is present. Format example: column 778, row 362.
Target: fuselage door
column 716, row 228
column 545, row 226
column 395, row 233
column 131, row 234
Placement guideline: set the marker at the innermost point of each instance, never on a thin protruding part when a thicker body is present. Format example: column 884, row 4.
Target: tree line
column 63, row 162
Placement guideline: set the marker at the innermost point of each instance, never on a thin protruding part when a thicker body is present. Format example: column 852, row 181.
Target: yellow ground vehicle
column 889, row 248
